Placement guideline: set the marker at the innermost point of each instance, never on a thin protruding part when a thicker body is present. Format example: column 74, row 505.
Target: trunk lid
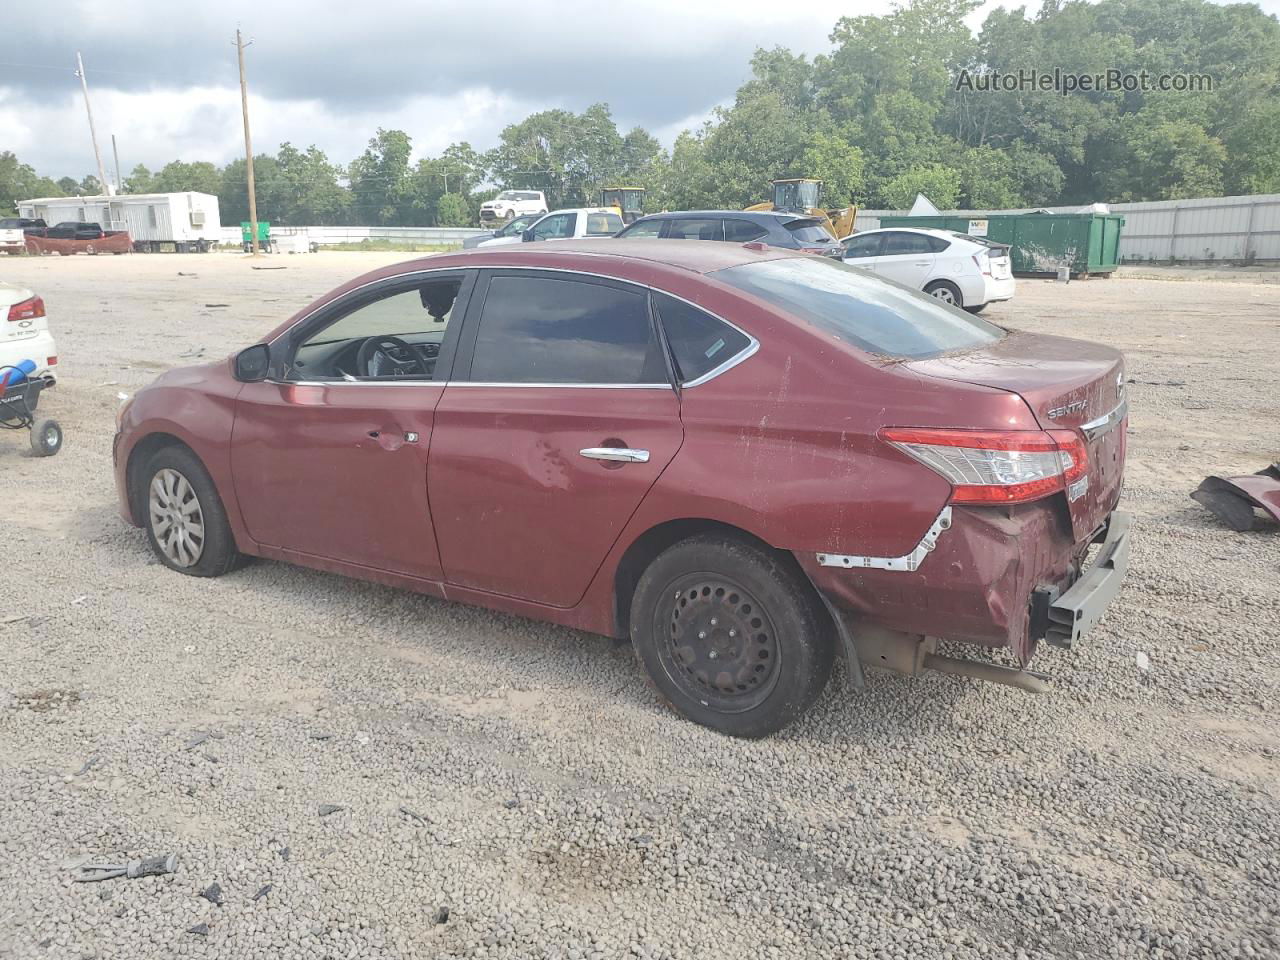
column 1068, row 384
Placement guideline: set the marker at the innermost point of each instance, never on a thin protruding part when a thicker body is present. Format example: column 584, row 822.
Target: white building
column 188, row 220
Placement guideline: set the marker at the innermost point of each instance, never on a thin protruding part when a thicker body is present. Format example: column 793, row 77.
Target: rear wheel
column 731, row 635
column 946, row 291
column 46, row 438
column 185, row 520
column 977, row 308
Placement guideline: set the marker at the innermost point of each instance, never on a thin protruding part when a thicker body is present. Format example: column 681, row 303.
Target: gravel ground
column 557, row 810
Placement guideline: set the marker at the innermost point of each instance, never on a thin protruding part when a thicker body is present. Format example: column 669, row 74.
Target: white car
column 26, row 333
column 568, row 224
column 510, row 204
column 956, row 268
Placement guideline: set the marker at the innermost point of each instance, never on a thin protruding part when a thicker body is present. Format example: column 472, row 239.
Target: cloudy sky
column 163, row 75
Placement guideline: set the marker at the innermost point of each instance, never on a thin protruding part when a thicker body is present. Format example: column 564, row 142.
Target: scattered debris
column 213, row 893
column 269, row 268
column 15, row 619
column 327, row 808
column 1233, row 499
column 88, row 765
column 79, row 600
column 92, row 871
column 442, row 915
column 414, row 814
column 42, row 701
column 217, row 304
column 284, row 854
column 193, row 352
column 511, row 804
column 324, row 735
column 1144, row 662
column 181, row 274
column 262, row 891
column 200, row 929
column 109, row 383
column 201, row 736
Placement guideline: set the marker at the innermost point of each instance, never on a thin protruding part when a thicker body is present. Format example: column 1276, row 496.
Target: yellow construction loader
column 802, row 195
column 628, row 201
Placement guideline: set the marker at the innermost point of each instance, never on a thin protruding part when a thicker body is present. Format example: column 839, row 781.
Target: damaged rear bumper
column 1072, row 614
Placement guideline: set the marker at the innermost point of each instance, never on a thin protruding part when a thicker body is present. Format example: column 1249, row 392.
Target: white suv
column 955, row 268
column 24, row 333
column 510, row 204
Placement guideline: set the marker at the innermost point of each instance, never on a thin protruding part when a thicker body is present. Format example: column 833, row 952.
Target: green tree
column 452, row 211
column 940, row 184
column 142, row 180
column 18, row 181
column 379, row 180
column 179, row 177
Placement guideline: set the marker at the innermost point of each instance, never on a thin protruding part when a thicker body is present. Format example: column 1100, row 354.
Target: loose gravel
column 346, row 770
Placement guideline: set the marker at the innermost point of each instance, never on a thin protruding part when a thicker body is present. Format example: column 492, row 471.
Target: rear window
column 809, row 231
column 996, row 248
column 603, row 224
column 856, row 307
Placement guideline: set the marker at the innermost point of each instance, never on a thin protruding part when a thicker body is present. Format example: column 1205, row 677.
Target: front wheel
column 509, row 216
column 185, row 520
column 731, row 635
column 946, row 291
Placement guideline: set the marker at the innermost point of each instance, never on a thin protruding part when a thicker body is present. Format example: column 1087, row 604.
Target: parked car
column 26, row 335
column 744, row 460
column 12, row 239
column 965, row 271
column 568, row 224
column 510, row 204
column 72, row 230
column 787, row 230
column 512, row 228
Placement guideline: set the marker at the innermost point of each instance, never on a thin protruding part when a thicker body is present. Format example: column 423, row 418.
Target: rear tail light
column 983, row 262
column 27, row 309
column 998, row 466
column 51, row 361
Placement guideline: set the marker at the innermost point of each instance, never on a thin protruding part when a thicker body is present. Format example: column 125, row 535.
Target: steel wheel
column 720, row 646
column 177, row 521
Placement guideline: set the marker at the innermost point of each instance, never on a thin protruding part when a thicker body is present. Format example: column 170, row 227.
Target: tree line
column 889, row 112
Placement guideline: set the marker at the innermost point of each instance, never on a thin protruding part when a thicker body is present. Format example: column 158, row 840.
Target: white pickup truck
column 510, row 204
column 12, row 240
column 568, row 224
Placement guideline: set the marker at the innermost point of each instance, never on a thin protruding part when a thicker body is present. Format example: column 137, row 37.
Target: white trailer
column 155, row 221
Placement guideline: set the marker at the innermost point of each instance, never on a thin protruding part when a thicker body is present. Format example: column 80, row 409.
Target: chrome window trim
column 753, row 345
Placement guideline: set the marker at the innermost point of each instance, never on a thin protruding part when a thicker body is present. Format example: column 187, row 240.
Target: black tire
column 217, row 553
column 773, row 643
column 977, row 308
column 46, row 438
column 509, row 216
column 944, row 289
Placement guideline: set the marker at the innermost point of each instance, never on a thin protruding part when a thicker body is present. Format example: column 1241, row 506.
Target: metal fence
column 325, row 236
column 1203, row 230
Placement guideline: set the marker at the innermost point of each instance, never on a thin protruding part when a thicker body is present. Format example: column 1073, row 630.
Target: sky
column 163, row 78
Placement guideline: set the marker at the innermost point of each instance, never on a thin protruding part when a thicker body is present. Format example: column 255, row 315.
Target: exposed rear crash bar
column 1076, row 611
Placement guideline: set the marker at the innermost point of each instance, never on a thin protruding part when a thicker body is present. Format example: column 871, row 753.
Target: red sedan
column 746, row 460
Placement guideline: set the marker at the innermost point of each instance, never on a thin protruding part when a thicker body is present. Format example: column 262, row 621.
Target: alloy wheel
column 177, row 520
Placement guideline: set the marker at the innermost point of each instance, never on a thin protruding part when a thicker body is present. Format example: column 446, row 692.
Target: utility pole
column 248, row 144
column 116, row 150
column 102, row 172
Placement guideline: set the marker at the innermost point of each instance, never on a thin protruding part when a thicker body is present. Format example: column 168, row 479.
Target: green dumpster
column 1040, row 243
column 264, row 235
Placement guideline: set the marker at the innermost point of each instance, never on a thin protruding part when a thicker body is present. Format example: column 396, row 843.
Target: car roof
column 761, row 216
column 927, row 231
column 579, row 210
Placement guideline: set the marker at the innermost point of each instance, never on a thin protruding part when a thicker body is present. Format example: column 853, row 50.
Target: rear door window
column 898, row 244
column 743, row 231
column 853, row 306
column 603, row 224
column 808, row 231
column 696, row 229
column 699, row 342
column 542, row 329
